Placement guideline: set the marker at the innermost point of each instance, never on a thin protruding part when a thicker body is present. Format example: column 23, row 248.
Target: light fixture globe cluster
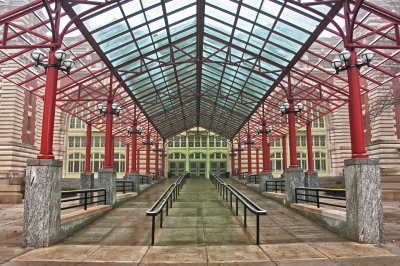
column 145, row 142
column 248, row 141
column 238, row 148
column 232, row 153
column 138, row 130
column 62, row 63
column 116, row 110
column 284, row 108
column 342, row 63
column 267, row 130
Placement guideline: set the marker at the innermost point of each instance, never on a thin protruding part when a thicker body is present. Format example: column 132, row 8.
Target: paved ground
column 200, row 230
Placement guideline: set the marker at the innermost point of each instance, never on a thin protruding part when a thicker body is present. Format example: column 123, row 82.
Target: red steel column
column 284, row 153
column 239, row 155
column 249, row 170
column 112, row 151
column 258, row 161
column 163, row 159
column 232, row 159
column 292, row 136
column 138, row 161
column 264, row 147
column 108, row 138
column 148, row 153
column 49, row 110
column 134, row 147
column 127, row 160
column 309, row 148
column 355, row 110
column 157, row 154
column 88, row 147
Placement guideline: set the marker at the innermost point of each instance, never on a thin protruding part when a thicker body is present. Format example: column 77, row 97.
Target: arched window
column 320, row 161
column 302, row 160
column 76, row 122
column 97, row 160
column 119, row 162
column 197, row 155
column 76, row 163
column 218, row 155
column 276, row 161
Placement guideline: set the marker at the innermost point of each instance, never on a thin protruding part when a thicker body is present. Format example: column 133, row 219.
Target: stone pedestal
column 135, row 178
column 264, row 177
column 294, row 177
column 42, row 203
column 107, row 180
column 311, row 181
column 87, row 182
column 364, row 201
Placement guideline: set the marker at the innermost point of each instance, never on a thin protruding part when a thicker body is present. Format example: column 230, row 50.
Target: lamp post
column 56, row 61
column 239, row 150
column 348, row 61
column 108, row 110
column 133, row 132
column 291, row 110
column 147, row 142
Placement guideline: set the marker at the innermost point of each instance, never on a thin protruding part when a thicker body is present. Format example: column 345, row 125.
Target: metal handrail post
column 245, row 215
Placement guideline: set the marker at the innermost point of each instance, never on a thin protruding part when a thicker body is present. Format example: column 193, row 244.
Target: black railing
column 314, row 195
column 169, row 195
column 224, row 188
column 144, row 179
column 275, row 186
column 125, row 186
column 86, row 197
column 253, row 179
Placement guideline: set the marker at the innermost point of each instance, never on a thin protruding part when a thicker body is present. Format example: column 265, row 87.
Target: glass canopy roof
column 201, row 63
column 216, row 64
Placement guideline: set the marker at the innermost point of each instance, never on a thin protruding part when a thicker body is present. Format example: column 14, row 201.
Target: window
column 319, row 141
column 301, row 141
column 204, row 141
column 183, row 141
column 176, row 141
column 217, row 141
column 211, row 142
column 119, row 162
column 320, row 161
column 276, row 161
column 76, row 123
column 191, row 141
column 319, row 123
column 197, row 155
column 97, row 161
column 224, row 143
column 171, row 142
column 197, row 143
column 302, row 160
column 76, row 163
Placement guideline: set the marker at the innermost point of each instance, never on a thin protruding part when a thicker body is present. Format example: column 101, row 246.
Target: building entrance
column 197, row 169
column 176, row 168
column 218, row 167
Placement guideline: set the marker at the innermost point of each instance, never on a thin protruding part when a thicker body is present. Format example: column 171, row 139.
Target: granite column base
column 107, row 180
column 311, row 181
column 264, row 177
column 135, row 178
column 364, row 200
column 294, row 177
column 87, row 182
column 41, row 223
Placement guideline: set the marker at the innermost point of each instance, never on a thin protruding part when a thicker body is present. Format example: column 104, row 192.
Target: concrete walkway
column 200, row 230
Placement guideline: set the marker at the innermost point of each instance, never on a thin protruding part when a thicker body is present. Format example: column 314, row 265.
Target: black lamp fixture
column 232, row 153
column 285, row 108
column 116, row 110
column 138, row 130
column 62, row 64
column 342, row 63
column 240, row 148
column 267, row 130
column 147, row 142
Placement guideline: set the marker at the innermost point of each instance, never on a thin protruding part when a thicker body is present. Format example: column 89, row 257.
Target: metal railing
column 169, row 195
column 125, row 186
column 143, row 177
column 275, row 186
column 86, row 197
column 313, row 195
column 253, row 179
column 224, row 188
